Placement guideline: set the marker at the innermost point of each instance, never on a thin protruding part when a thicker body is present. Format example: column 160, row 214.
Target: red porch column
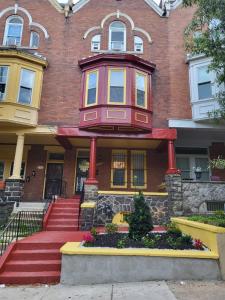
column 172, row 169
column 92, row 166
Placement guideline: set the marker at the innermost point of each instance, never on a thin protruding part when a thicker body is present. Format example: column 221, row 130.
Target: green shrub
column 187, row 239
column 140, row 221
column 174, row 243
column 94, row 232
column 148, row 242
column 173, row 230
column 121, row 243
column 111, row 228
column 219, row 214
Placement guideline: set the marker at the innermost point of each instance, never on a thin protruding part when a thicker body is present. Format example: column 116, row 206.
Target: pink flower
column 88, row 238
column 198, row 244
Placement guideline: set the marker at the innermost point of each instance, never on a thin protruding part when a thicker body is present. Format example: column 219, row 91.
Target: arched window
column 96, row 42
column 138, row 44
column 34, row 39
column 13, row 31
column 117, row 36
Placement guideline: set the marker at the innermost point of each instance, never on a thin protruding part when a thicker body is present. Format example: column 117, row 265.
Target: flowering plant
column 88, row 238
column 198, row 244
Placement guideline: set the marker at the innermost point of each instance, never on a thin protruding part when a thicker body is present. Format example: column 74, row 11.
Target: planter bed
column 156, row 240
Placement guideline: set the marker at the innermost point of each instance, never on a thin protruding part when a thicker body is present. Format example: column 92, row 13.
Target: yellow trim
column 72, row 248
column 206, row 233
column 146, row 89
column 96, row 71
column 119, row 152
column 124, row 85
column 10, row 110
column 145, row 170
column 131, row 193
column 118, row 219
column 90, row 204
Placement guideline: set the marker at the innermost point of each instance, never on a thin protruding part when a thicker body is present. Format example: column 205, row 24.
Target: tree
column 140, row 221
column 206, row 35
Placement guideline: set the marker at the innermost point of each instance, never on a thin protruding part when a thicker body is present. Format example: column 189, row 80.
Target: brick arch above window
column 16, row 9
column 117, row 16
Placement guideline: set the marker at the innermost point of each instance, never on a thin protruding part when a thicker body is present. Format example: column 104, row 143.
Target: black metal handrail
column 22, row 224
column 81, row 201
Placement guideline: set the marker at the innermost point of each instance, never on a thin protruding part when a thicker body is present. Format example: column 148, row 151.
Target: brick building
column 101, row 95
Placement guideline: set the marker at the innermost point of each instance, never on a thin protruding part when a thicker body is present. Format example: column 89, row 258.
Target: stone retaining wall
column 197, row 193
column 109, row 205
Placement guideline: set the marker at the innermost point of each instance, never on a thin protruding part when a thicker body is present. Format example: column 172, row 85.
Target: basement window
column 215, row 206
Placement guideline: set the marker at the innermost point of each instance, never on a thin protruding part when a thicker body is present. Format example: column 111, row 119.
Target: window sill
column 115, row 52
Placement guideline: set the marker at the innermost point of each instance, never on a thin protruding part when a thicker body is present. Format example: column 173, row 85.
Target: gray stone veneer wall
column 197, row 193
column 109, row 205
column 14, row 190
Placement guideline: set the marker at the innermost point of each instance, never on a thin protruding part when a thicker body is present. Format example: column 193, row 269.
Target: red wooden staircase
column 36, row 259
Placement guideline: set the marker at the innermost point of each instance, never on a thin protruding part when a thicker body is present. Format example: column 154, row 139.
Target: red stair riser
column 62, row 221
column 35, row 256
column 62, row 229
column 31, row 266
column 16, row 278
column 40, row 246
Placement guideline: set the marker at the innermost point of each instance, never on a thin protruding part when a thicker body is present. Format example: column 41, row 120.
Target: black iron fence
column 22, row 224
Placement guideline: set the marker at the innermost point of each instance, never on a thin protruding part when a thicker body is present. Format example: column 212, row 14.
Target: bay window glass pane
column 1, row 170
column 117, row 78
column 183, row 164
column 138, row 169
column 92, row 88
column 3, row 81
column 141, row 89
column 203, row 163
column 119, row 169
column 204, row 83
column 26, row 86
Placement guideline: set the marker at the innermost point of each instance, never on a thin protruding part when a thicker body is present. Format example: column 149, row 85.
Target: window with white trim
column 96, row 42
column 3, row 81
column 188, row 164
column 13, row 31
column 138, row 44
column 26, row 86
column 205, row 83
column 117, row 36
column 34, row 39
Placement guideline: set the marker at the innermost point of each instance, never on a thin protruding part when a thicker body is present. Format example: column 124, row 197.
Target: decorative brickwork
column 109, row 205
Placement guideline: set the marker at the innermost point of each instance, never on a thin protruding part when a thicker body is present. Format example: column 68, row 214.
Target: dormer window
column 96, row 42
column 34, row 39
column 117, row 36
column 138, row 44
column 13, row 31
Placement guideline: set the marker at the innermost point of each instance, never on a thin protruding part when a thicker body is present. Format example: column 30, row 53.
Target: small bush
column 121, row 243
column 173, row 242
column 187, row 239
column 219, row 214
column 94, row 232
column 111, row 228
column 140, row 221
column 173, row 230
column 148, row 242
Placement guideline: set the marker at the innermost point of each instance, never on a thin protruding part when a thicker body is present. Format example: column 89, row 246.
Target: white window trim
column 20, row 87
column 110, row 38
column 7, row 29
column 6, row 84
column 142, row 45
column 99, row 43
column 31, row 34
column 192, row 162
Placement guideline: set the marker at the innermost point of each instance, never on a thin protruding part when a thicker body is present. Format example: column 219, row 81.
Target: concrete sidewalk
column 133, row 291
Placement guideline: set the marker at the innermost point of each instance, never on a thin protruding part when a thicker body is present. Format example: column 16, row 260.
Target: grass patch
column 217, row 219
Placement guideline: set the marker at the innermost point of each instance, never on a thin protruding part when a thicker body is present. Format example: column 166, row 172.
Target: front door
column 81, row 173
column 53, row 184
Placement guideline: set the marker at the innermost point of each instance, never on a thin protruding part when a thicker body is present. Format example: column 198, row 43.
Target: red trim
column 156, row 134
column 47, row 215
column 92, row 168
column 172, row 169
column 126, row 58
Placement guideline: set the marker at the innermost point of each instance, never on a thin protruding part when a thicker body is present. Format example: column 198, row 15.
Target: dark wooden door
column 53, row 184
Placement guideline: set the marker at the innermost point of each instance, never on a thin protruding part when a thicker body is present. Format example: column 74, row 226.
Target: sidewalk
column 133, row 291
